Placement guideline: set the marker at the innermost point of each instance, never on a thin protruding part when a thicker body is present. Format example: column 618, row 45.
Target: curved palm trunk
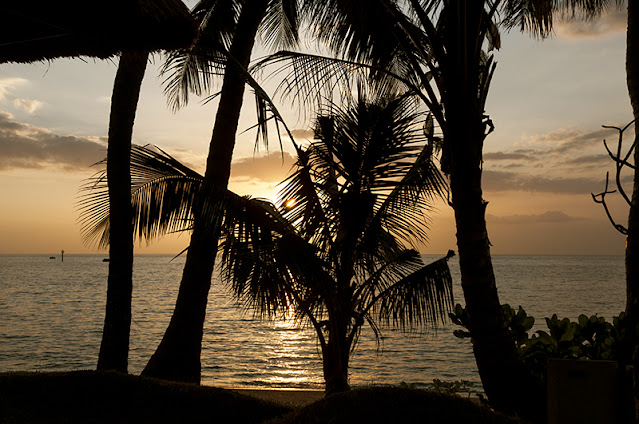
column 114, row 349
column 495, row 352
column 632, row 241
column 178, row 355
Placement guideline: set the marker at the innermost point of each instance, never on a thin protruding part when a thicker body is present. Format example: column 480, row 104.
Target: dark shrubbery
column 587, row 338
column 393, row 405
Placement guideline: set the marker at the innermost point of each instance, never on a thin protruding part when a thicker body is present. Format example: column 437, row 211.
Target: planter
column 584, row 392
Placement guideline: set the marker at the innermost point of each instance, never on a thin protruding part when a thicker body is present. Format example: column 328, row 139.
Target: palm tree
column 166, row 24
column 228, row 29
column 114, row 348
column 337, row 252
column 338, row 257
column 631, row 338
column 440, row 50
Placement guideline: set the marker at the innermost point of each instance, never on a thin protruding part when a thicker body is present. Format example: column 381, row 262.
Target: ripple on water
column 54, row 320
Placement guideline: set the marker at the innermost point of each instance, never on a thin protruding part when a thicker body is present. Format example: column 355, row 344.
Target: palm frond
column 266, row 110
column 162, row 193
column 280, row 24
column 310, row 79
column 423, row 296
column 93, row 209
column 266, row 263
column 308, row 210
column 193, row 70
column 537, row 16
column 403, row 211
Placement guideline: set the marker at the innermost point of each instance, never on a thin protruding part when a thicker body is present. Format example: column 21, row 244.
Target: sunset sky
column 548, row 101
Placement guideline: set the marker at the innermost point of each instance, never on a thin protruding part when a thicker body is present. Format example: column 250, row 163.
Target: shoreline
column 287, row 397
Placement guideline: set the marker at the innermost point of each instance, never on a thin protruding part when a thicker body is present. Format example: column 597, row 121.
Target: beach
column 285, row 397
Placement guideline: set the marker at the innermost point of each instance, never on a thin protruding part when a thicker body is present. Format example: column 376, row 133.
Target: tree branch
column 601, row 199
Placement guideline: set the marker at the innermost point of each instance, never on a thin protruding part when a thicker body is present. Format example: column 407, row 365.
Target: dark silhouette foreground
column 393, row 405
column 110, row 397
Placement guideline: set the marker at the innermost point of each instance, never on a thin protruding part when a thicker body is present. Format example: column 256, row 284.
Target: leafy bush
column 453, row 388
column 587, row 338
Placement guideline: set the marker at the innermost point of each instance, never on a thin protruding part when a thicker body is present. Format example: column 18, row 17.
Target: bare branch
column 601, row 199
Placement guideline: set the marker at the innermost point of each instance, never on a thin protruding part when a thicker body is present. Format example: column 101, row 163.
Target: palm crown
column 338, row 249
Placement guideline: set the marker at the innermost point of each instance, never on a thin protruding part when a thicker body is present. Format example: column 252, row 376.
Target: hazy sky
column 548, row 101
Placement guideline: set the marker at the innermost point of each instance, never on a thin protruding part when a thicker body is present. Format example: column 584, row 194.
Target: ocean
column 51, row 317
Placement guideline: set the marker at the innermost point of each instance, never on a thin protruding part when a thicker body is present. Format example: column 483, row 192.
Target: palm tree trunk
column 114, row 349
column 495, row 351
column 335, row 359
column 178, row 355
column 632, row 241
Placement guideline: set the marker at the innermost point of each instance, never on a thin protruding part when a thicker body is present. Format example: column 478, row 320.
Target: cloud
column 601, row 159
column 516, row 155
column 504, row 180
column 8, row 84
column 29, row 106
column 547, row 217
column 612, row 22
column 570, row 140
column 301, row 133
column 26, row 146
column 270, row 168
column 558, row 144
column 561, row 161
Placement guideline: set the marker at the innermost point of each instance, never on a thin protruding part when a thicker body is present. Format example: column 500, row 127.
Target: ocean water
column 51, row 317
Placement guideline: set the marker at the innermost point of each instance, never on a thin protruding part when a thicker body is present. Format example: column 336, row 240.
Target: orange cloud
column 271, row 168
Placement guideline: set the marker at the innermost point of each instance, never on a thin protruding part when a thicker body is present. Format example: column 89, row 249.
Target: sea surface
column 51, row 317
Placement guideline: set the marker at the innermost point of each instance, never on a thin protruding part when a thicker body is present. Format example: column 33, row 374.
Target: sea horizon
column 53, row 315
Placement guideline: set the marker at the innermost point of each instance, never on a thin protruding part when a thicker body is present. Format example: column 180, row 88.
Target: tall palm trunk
column 335, row 357
column 632, row 241
column 114, row 349
column 495, row 352
column 178, row 355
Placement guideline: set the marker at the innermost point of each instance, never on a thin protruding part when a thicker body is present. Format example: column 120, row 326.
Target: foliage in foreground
column 393, row 405
column 587, row 338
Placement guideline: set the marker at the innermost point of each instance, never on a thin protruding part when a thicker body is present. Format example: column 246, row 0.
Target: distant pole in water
column 62, row 254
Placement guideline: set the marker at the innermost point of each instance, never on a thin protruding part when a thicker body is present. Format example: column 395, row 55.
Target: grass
column 393, row 405
column 92, row 397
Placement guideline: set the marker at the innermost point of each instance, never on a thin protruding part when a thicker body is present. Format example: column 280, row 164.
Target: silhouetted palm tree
column 631, row 338
column 155, row 24
column 440, row 49
column 338, row 256
column 114, row 347
column 228, row 29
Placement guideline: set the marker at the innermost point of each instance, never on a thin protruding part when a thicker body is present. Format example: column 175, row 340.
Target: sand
column 286, row 397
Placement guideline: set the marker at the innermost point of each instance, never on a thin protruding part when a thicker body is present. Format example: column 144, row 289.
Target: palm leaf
column 423, row 296
column 162, row 193
column 194, row 70
column 310, row 79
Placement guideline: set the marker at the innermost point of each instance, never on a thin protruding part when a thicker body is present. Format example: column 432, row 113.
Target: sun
column 290, row 203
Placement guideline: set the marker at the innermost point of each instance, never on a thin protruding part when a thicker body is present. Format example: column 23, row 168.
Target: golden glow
column 290, row 203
